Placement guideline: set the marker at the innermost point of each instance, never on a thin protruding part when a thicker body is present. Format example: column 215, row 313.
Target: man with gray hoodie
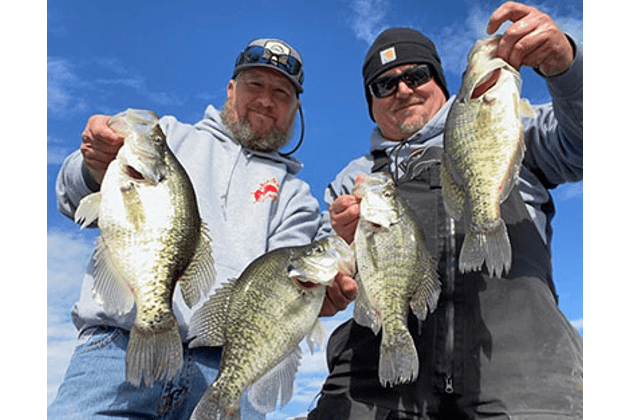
column 248, row 194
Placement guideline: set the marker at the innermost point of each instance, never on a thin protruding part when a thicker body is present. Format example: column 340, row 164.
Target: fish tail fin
column 209, row 407
column 490, row 244
column 398, row 362
column 153, row 354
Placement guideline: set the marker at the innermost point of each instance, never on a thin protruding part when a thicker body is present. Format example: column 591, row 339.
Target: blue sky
column 176, row 57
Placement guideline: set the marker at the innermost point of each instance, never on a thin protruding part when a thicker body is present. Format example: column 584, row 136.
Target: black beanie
column 398, row 46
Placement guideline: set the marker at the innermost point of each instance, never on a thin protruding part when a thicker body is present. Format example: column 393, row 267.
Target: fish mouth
column 486, row 83
column 149, row 176
column 303, row 280
column 305, row 284
column 133, row 173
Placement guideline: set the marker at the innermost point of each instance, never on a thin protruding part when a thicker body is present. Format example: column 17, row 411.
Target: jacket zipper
column 450, row 305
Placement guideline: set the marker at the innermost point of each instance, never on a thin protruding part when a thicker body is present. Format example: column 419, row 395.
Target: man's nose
column 265, row 98
column 403, row 88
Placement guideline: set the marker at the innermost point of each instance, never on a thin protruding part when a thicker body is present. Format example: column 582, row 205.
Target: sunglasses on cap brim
column 261, row 55
column 388, row 85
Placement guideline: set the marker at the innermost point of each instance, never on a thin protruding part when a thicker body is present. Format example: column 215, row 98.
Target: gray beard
column 245, row 136
column 412, row 128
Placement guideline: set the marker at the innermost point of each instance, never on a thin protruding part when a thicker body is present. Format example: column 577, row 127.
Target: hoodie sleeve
column 296, row 219
column 73, row 183
column 554, row 138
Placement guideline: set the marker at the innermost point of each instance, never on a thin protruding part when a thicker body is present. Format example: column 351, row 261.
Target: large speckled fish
column 395, row 273
column 260, row 318
column 483, row 151
column 152, row 238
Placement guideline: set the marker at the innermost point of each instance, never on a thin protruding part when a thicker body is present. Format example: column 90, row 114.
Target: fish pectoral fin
column 277, row 382
column 207, row 325
column 200, row 274
column 425, row 300
column 454, row 195
column 525, row 109
column 88, row 209
column 316, row 336
column 364, row 313
column 110, row 288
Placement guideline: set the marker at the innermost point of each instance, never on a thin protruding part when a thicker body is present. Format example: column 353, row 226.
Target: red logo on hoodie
column 268, row 189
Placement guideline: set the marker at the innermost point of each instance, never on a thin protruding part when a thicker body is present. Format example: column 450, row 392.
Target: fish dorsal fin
column 278, row 382
column 316, row 336
column 88, row 209
column 110, row 289
column 199, row 276
column 207, row 325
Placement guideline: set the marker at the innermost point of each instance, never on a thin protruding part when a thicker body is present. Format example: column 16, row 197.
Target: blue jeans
column 94, row 386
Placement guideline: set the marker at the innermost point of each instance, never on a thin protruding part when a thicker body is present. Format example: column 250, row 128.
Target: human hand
column 100, row 145
column 533, row 39
column 339, row 294
column 344, row 216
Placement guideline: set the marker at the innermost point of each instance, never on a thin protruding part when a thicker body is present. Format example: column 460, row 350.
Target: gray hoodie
column 252, row 203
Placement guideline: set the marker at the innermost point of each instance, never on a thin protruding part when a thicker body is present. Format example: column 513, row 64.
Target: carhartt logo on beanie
column 395, row 47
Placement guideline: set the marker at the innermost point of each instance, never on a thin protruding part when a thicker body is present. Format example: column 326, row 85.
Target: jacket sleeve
column 554, row 138
column 342, row 184
column 73, row 183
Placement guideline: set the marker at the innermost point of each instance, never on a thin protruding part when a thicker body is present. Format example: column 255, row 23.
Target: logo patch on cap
column 388, row 55
column 277, row 47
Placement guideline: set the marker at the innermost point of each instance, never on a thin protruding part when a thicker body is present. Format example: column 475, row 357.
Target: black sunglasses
column 388, row 85
column 258, row 54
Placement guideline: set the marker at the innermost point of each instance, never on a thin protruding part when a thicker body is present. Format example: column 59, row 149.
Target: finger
column 509, row 11
column 327, row 308
column 525, row 37
column 333, row 302
column 348, row 286
column 526, row 20
column 346, row 231
column 340, row 293
column 551, row 52
column 343, row 202
column 97, row 131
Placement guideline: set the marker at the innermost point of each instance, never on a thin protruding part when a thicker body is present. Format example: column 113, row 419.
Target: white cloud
column 57, row 152
column 68, row 255
column 64, row 87
column 572, row 26
column 71, row 92
column 367, row 18
column 453, row 41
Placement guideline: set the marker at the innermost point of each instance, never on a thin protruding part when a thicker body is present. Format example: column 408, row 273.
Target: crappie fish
column 152, row 238
column 483, row 151
column 395, row 273
column 260, row 318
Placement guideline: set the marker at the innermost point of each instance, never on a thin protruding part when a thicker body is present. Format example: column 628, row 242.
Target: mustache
column 261, row 109
column 407, row 102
